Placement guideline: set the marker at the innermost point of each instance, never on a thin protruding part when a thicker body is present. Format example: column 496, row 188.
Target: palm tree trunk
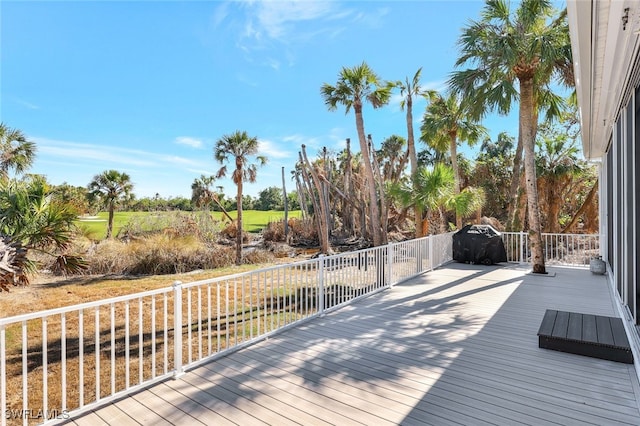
column 517, row 221
column 513, row 189
column 239, row 230
column 376, row 230
column 286, row 207
column 110, row 222
column 453, row 149
column 528, row 144
column 411, row 147
column 413, row 161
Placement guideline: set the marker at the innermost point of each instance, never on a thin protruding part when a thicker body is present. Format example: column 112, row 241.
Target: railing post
column 177, row 329
column 321, row 284
column 389, row 264
column 3, row 376
column 430, row 244
column 521, row 246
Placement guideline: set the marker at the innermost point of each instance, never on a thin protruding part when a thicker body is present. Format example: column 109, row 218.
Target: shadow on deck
column 455, row 346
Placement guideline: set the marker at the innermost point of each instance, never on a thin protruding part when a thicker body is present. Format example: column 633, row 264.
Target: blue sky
column 148, row 87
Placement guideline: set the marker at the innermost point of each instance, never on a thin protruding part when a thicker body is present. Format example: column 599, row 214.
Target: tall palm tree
column 447, row 121
column 354, row 87
column 516, row 57
column 409, row 90
column 238, row 147
column 16, row 152
column 110, row 187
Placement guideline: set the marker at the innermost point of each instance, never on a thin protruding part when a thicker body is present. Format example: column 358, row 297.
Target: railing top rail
column 551, row 234
column 243, row 274
column 82, row 306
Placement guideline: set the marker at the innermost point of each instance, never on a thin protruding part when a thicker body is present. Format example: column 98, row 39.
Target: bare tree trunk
column 325, row 189
column 301, row 197
column 527, row 115
column 342, row 195
column 347, row 212
column 321, row 213
column 308, row 186
column 586, row 204
column 224, row 211
column 384, row 217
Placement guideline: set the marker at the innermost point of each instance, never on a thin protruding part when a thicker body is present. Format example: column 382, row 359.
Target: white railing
column 559, row 249
column 58, row 363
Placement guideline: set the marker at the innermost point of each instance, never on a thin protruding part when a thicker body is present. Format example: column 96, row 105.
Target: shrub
column 301, row 231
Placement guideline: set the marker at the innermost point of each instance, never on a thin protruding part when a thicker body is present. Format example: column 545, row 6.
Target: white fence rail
column 559, row 249
column 60, row 362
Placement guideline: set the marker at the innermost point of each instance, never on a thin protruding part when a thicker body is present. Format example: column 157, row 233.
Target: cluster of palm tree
column 506, row 57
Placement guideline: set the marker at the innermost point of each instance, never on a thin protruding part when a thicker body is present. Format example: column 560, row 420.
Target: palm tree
column 516, row 57
column 432, row 189
column 239, row 147
column 445, row 122
column 391, row 157
column 557, row 165
column 202, row 195
column 16, row 152
column 33, row 221
column 408, row 90
column 110, row 187
column 356, row 86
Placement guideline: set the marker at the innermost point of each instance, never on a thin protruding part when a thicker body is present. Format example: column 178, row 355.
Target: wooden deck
column 455, row 346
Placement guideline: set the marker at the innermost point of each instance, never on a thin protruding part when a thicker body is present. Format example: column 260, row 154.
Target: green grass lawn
column 253, row 220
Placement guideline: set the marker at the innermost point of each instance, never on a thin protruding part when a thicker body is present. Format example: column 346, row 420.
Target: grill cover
column 478, row 244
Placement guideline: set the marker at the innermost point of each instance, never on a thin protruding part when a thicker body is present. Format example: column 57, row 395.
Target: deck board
column 455, row 346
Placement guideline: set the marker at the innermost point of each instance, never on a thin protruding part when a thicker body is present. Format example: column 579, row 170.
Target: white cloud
column 296, row 141
column 220, row 14
column 271, row 150
column 276, row 19
column 189, row 141
column 372, row 20
column 26, row 104
column 108, row 156
column 282, row 26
